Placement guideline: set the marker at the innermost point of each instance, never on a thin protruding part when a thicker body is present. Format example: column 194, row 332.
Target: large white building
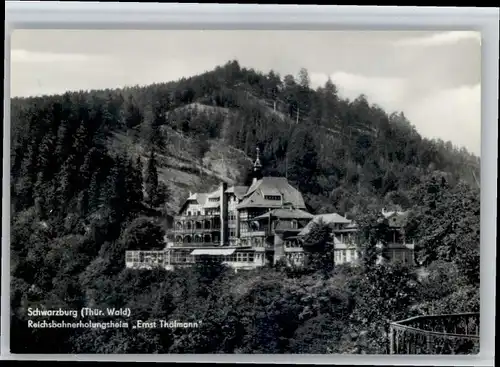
column 248, row 227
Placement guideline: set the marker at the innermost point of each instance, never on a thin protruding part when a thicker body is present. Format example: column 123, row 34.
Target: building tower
column 257, row 167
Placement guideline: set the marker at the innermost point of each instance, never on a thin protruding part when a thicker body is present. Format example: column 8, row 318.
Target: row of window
column 206, row 238
column 400, row 256
column 158, row 257
column 200, row 213
column 292, row 244
column 340, row 256
column 272, row 197
column 145, row 256
column 345, row 238
column 198, row 239
column 231, row 215
column 295, row 255
column 197, row 226
column 240, row 257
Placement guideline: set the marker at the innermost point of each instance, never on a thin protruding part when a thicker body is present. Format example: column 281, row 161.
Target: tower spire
column 257, row 167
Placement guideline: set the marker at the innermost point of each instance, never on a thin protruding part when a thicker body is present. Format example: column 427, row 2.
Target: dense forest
column 95, row 173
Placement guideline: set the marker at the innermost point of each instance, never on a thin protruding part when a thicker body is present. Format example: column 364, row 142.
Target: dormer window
column 272, row 197
column 295, row 224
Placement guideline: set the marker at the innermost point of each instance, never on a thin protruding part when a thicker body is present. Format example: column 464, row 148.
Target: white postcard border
column 92, row 15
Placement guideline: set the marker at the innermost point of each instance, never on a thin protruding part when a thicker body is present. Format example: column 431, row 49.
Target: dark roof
column 285, row 226
column 238, row 191
column 272, row 186
column 330, row 218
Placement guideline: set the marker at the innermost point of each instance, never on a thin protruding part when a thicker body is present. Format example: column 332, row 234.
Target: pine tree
column 81, row 143
column 162, row 194
column 303, row 160
column 154, row 117
column 133, row 181
column 39, row 187
column 373, row 234
column 319, row 249
column 116, row 192
column 329, row 104
column 132, row 114
column 46, row 165
column 304, row 80
column 28, row 176
column 85, row 171
column 66, row 187
column 151, row 179
column 94, row 192
column 139, row 180
column 83, row 203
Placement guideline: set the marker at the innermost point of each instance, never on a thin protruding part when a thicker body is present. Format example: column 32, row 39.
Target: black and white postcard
column 245, row 192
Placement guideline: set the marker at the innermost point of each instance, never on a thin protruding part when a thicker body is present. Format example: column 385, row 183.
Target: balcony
column 194, row 230
column 195, row 244
column 253, row 234
column 436, row 334
column 196, row 217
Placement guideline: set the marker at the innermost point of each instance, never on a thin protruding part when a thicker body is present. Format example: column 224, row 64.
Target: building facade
column 249, row 227
column 348, row 245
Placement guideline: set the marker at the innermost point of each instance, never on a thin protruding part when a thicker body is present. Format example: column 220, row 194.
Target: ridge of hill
column 340, row 153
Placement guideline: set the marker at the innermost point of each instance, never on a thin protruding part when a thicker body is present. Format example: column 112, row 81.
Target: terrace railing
column 436, row 334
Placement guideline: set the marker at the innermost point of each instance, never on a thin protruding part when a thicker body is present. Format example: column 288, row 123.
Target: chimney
column 269, row 223
column 237, row 214
column 224, row 228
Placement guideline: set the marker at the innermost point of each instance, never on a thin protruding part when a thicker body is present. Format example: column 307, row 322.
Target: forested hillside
column 94, row 173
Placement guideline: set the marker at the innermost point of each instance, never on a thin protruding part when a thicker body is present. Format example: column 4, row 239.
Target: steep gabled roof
column 238, row 191
column 272, row 186
column 213, row 194
column 199, row 198
column 330, row 218
column 212, row 204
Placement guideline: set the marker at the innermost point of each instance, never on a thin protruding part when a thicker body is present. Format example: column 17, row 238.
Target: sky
column 432, row 77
